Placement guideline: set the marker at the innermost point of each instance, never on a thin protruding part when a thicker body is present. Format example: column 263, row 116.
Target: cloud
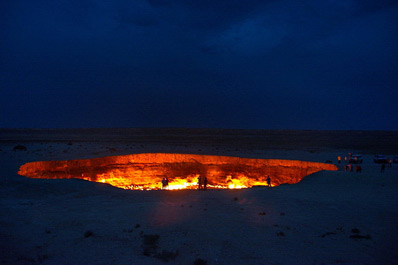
column 370, row 6
column 229, row 60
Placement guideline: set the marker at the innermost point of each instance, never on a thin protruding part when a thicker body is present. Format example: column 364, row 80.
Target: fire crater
column 146, row 171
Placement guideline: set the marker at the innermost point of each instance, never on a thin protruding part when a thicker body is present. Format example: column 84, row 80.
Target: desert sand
column 330, row 217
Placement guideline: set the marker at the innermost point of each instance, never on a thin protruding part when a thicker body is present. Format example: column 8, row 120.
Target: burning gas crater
column 146, row 171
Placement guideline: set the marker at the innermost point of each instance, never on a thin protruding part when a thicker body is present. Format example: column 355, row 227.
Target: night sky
column 277, row 64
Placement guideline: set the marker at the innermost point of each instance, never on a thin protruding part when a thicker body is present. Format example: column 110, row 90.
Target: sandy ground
column 328, row 218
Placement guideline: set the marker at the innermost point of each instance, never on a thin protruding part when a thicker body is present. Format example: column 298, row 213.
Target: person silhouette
column 200, row 182
column 269, row 181
column 204, row 182
column 163, row 183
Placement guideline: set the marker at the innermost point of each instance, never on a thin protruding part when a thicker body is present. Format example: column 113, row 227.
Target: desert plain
column 330, row 217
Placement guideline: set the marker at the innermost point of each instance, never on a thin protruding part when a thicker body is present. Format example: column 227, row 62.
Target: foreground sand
column 328, row 218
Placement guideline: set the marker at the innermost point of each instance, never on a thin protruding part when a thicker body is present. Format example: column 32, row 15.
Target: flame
column 146, row 171
column 190, row 182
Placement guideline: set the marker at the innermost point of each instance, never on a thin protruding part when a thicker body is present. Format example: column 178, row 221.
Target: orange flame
column 190, row 182
column 146, row 171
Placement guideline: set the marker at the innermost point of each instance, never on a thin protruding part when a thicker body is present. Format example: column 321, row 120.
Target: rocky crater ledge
column 141, row 169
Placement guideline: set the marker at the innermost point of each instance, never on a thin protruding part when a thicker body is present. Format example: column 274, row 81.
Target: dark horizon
column 187, row 128
column 276, row 64
column 367, row 142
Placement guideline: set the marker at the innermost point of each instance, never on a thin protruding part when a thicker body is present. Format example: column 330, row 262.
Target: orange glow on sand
column 146, row 171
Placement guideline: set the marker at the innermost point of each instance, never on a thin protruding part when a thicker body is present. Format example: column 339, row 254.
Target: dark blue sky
column 278, row 64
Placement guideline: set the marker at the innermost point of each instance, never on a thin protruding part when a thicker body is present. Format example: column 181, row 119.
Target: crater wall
column 149, row 168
